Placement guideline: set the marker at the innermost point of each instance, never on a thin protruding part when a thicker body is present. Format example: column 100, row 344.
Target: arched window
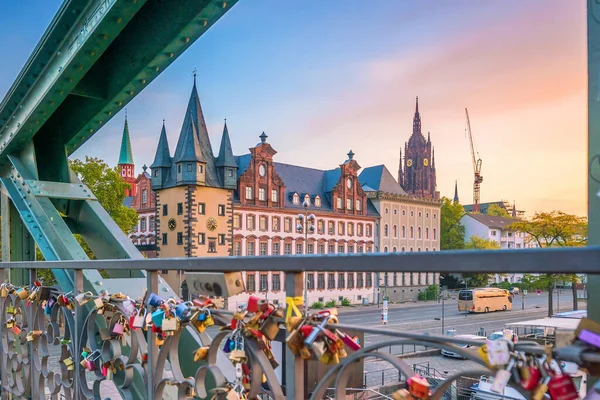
column 385, row 230
column 412, row 233
column 403, row 249
column 403, row 231
column 296, row 199
column 434, row 234
column 394, row 249
column 307, row 199
column 419, row 231
column 385, row 249
column 426, row 232
column 317, row 201
column 395, row 231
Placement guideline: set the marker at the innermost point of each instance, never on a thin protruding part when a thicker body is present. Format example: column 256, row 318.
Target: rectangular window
column 321, row 281
column 221, row 239
column 200, row 168
column 341, row 281
column 143, row 224
column 262, row 194
column 331, row 280
column 151, row 223
column 341, row 228
column 263, row 249
column 320, row 227
column 321, row 249
column 250, row 222
column 156, row 173
column 350, row 280
column 276, row 224
column 221, row 210
column 179, row 238
column 298, row 248
column 190, row 167
column 331, row 249
column 359, row 229
column 201, row 238
column 310, row 248
column 201, row 208
column 369, row 278
column 287, row 225
column 263, row 223
column 310, row 281
column 164, row 239
column 350, row 229
column 237, row 249
column 212, row 246
column 331, row 227
column 165, row 209
column 341, row 249
column 350, row 248
column 358, row 205
column 276, row 249
column 144, row 196
column 359, row 248
column 339, row 203
column 250, row 278
column 274, row 196
column 276, row 277
column 237, row 221
column 264, row 282
column 349, row 204
column 250, row 248
column 359, row 280
column 368, row 230
column 248, row 193
column 179, row 208
column 287, row 249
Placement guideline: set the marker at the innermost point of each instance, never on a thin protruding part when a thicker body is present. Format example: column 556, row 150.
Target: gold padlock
column 269, row 328
column 201, row 353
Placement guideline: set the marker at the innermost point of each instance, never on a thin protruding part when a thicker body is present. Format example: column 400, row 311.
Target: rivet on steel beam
column 119, row 19
column 91, row 130
column 187, row 39
column 131, row 92
column 109, row 112
column 52, row 103
column 224, row 4
column 165, row 289
column 157, row 68
column 92, row 53
column 100, row 122
column 99, row 283
column 143, row 81
column 103, row 36
column 171, row 55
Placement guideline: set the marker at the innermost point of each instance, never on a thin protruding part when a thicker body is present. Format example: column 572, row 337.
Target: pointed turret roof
column 126, row 154
column 225, row 158
column 188, row 146
column 456, row 191
column 163, row 154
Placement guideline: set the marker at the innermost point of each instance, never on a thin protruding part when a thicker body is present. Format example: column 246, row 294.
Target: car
column 507, row 334
column 451, row 354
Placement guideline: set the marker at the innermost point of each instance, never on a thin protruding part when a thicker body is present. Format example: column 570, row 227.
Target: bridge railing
column 70, row 343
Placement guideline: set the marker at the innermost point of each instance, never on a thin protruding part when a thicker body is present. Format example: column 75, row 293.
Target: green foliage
column 477, row 243
column 108, row 187
column 553, row 229
column 317, row 305
column 452, row 233
column 495, row 209
column 346, row 302
column 330, row 304
column 431, row 293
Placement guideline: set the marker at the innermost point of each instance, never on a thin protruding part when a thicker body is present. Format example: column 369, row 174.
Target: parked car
column 464, row 346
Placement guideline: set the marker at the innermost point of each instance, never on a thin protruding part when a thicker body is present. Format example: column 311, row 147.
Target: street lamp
column 306, row 224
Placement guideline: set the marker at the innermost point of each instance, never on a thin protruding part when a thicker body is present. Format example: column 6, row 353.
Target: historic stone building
column 268, row 200
column 416, row 173
column 407, row 223
column 193, row 192
column 139, row 196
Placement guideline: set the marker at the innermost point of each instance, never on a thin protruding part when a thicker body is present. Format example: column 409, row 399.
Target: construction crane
column 477, row 178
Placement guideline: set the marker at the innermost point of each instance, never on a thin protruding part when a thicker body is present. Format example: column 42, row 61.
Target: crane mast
column 477, row 178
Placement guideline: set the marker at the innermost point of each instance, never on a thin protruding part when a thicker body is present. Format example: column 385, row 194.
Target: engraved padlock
column 317, row 329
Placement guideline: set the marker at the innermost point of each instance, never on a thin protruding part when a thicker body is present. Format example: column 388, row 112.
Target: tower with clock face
column 416, row 172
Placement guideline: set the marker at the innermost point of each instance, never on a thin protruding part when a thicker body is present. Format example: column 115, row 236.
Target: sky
column 321, row 78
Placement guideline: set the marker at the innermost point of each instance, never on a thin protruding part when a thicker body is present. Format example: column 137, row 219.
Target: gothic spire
column 456, row 191
column 188, row 146
column 163, row 154
column 400, row 172
column 126, row 154
column 225, row 158
column 417, row 119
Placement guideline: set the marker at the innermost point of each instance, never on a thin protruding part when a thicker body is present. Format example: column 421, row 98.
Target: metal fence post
column 152, row 287
column 77, row 328
column 294, row 367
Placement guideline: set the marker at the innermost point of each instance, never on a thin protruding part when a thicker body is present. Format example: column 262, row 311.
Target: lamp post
column 306, row 224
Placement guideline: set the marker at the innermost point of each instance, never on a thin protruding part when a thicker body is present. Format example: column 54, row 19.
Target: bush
column 431, row 293
column 330, row 304
column 317, row 305
column 346, row 302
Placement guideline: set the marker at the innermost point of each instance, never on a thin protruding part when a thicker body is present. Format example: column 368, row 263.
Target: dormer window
column 317, row 201
column 349, row 183
column 296, row 199
column 201, row 169
column 307, row 199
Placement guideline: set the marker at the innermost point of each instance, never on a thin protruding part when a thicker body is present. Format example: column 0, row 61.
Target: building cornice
column 406, row 198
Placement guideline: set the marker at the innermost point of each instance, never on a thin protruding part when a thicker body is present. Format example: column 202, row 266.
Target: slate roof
column 126, row 154
column 225, row 158
column 493, row 221
column 379, row 178
column 163, row 154
column 303, row 180
column 188, row 146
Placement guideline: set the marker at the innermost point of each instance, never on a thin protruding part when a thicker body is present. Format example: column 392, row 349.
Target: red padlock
column 561, row 387
column 418, row 387
column 532, row 379
column 306, row 330
column 253, row 304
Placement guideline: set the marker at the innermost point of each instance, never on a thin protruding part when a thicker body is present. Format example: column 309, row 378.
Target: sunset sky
column 321, row 78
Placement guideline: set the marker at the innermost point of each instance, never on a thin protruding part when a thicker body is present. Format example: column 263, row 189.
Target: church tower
column 416, row 173
column 126, row 166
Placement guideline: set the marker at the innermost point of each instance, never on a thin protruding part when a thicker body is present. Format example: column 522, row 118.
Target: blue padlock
column 202, row 316
column 182, row 311
column 157, row 318
column 154, row 300
column 229, row 345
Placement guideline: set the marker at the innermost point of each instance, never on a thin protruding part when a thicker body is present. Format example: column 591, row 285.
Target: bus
column 484, row 300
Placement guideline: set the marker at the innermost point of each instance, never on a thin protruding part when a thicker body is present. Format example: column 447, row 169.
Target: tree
column 495, row 209
column 452, row 232
column 554, row 229
column 109, row 188
column 478, row 243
